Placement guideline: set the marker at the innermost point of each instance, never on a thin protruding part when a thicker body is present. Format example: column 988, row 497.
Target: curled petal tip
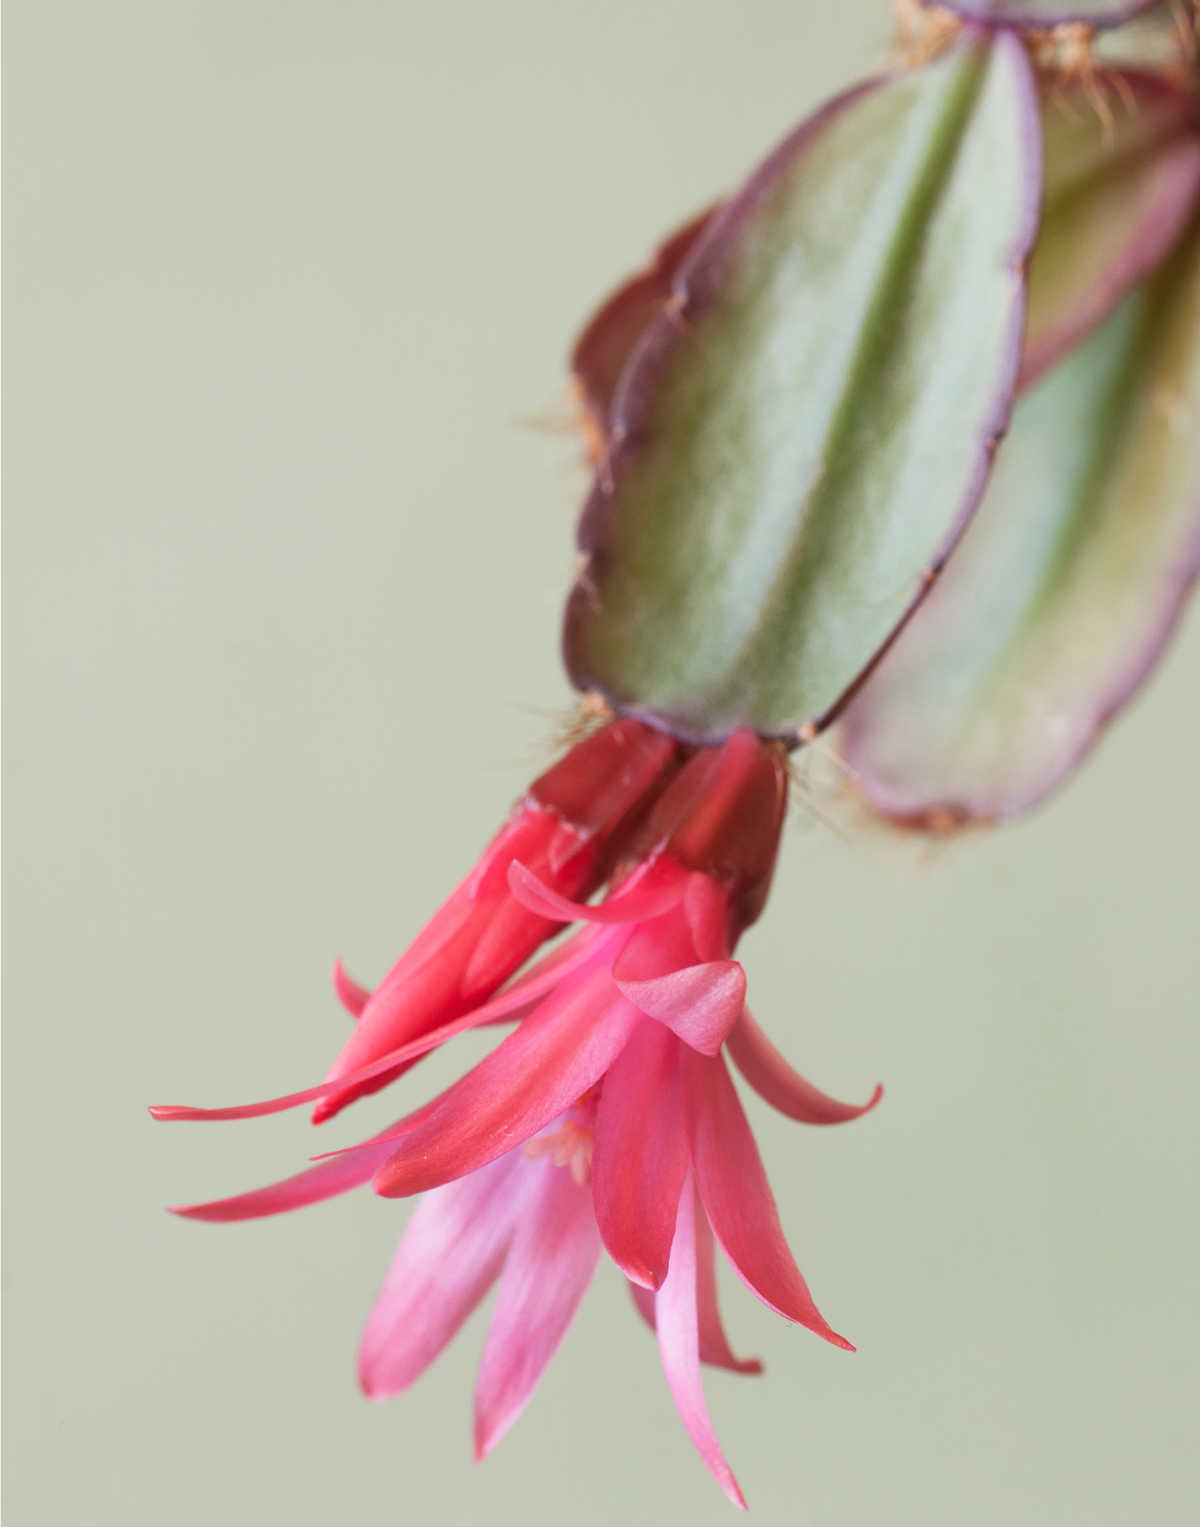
column 349, row 992
column 188, row 1211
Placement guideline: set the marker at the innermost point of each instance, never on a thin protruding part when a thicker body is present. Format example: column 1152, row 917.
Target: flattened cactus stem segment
column 798, row 440
column 1068, row 584
column 1119, row 194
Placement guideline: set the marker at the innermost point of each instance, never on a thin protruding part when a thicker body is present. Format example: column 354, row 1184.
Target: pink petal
column 632, row 904
column 700, row 1003
column 714, row 1344
column 641, row 1154
column 421, row 991
column 350, row 994
column 519, row 999
column 468, row 949
column 336, row 1174
column 448, row 1258
column 706, row 907
column 561, row 1050
column 774, row 1080
column 737, row 1197
column 678, row 1345
column 546, row 1274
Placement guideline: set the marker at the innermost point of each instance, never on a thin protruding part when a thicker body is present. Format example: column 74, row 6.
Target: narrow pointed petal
column 714, row 1344
column 449, row 1256
column 329, row 1178
column 676, row 1320
column 561, row 1050
column 784, row 1088
column 640, row 1157
column 512, row 1005
column 649, row 898
column 700, row 1003
column 1066, row 590
column 546, row 1274
column 1119, row 193
column 737, row 1198
column 798, row 442
column 350, row 994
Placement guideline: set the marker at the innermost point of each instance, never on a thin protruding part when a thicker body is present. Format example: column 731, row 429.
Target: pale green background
column 285, row 568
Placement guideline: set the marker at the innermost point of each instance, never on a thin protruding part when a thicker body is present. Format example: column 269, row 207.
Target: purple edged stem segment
column 611, row 335
column 1067, row 586
column 1048, row 13
column 800, row 436
column 1119, row 193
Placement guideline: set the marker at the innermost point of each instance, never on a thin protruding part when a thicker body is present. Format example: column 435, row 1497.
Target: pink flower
column 607, row 1117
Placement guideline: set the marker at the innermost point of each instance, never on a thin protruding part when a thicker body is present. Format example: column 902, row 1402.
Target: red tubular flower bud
column 723, row 815
column 569, row 826
column 602, row 785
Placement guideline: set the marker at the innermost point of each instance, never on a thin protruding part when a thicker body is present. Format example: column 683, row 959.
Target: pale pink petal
column 448, row 1258
column 350, row 994
column 714, row 1344
column 737, row 1197
column 700, row 1003
column 640, row 1156
column 561, row 1050
column 336, row 1174
column 678, row 1345
column 546, row 1274
column 650, row 897
column 774, row 1080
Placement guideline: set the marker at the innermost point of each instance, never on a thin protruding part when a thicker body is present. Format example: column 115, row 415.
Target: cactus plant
column 903, row 434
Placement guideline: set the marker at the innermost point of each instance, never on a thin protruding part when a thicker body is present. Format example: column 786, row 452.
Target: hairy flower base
column 607, row 1117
